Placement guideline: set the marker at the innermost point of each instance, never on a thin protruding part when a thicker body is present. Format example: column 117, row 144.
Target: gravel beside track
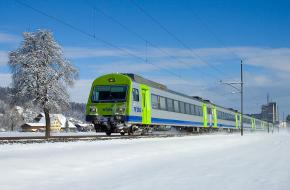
column 52, row 139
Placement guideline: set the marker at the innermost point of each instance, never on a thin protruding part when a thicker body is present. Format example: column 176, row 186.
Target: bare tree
column 10, row 118
column 14, row 119
column 66, row 126
column 41, row 73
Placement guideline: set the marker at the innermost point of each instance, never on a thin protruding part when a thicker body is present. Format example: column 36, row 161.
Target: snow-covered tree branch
column 42, row 73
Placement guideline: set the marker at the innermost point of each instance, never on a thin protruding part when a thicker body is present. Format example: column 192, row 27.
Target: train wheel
column 108, row 130
column 130, row 131
column 97, row 128
column 108, row 133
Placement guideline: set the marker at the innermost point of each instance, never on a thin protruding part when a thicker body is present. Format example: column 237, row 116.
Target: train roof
column 139, row 79
column 148, row 82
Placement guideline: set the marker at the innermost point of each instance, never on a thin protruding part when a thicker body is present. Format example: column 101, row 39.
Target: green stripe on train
column 237, row 120
column 214, row 117
column 253, row 124
column 204, row 115
column 146, row 104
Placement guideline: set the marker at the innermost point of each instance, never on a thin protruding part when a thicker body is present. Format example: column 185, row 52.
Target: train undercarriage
column 117, row 124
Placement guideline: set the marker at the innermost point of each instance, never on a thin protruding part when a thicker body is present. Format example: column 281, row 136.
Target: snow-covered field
column 219, row 162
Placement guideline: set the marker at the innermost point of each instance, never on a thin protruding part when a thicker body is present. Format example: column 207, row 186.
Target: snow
column 36, row 124
column 220, row 162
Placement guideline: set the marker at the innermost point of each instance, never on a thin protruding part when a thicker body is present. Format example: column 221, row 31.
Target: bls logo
column 137, row 109
column 107, row 109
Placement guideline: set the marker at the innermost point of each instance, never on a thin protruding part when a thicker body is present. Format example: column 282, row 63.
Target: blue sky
column 206, row 42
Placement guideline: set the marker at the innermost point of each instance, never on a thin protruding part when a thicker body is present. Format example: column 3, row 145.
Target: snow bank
column 219, row 162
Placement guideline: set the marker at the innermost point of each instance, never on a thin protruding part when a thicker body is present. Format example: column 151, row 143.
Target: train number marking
column 137, row 109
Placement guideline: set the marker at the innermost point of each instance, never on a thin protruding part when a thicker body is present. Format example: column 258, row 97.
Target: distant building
column 33, row 127
column 58, row 122
column 270, row 112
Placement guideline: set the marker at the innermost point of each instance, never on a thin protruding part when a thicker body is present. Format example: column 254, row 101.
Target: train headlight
column 118, row 117
column 93, row 109
column 120, row 110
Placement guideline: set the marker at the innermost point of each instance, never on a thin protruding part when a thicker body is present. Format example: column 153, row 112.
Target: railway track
column 52, row 139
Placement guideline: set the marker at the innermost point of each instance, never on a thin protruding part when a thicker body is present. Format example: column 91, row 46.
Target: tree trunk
column 47, row 123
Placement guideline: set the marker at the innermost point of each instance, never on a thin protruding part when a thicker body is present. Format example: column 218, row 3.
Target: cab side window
column 154, row 101
column 135, row 95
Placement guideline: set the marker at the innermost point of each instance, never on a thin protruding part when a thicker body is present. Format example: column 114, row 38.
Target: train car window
column 170, row 106
column 135, row 95
column 182, row 107
column 162, row 102
column 154, row 101
column 197, row 110
column 245, row 120
column 200, row 111
column 176, row 106
column 233, row 118
column 192, row 109
column 187, row 108
column 218, row 114
column 208, row 110
column 110, row 93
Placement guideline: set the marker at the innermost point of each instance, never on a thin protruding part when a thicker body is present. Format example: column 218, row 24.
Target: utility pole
column 273, row 118
column 241, row 90
column 242, row 109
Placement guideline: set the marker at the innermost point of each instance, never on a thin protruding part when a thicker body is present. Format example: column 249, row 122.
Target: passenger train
column 126, row 103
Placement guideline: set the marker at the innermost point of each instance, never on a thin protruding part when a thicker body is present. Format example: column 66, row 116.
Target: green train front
column 109, row 103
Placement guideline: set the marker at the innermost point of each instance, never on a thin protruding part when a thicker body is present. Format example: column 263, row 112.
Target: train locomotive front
column 109, row 103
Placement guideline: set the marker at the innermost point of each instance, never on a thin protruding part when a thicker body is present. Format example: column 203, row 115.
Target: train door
column 205, row 123
column 252, row 124
column 146, row 104
column 214, row 117
column 237, row 121
column 209, row 116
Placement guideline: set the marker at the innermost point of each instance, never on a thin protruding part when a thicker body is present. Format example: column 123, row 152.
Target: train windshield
column 109, row 94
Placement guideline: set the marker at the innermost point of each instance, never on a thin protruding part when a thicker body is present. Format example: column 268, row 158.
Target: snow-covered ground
column 219, row 162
